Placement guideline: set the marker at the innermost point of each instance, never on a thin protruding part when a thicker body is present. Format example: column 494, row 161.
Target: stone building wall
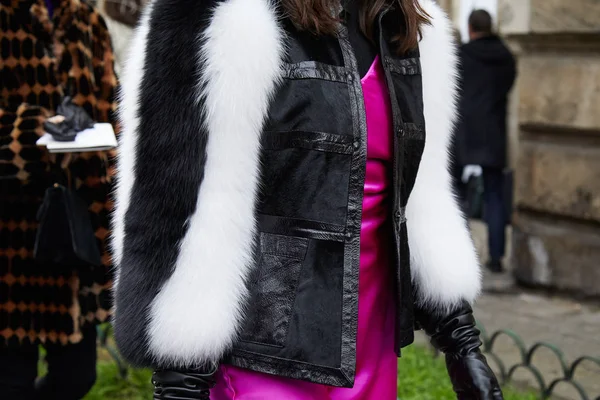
column 556, row 141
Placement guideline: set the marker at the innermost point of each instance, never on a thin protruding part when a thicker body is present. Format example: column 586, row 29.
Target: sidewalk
column 571, row 326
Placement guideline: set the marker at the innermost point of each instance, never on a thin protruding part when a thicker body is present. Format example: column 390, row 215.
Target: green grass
column 110, row 386
column 421, row 377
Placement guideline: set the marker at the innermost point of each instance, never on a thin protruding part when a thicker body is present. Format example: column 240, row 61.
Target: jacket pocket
column 273, row 289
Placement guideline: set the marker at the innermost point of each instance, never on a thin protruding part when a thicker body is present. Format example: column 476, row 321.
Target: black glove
column 456, row 336
column 74, row 120
column 193, row 384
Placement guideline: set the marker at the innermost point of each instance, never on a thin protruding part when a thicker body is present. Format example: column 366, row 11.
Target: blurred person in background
column 50, row 49
column 121, row 17
column 487, row 73
column 285, row 215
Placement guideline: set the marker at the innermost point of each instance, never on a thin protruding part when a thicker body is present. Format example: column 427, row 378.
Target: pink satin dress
column 376, row 362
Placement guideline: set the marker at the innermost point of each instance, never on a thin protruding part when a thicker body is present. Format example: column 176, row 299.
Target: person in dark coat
column 488, row 72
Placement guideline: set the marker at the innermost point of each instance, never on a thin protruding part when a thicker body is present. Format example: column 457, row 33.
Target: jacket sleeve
column 444, row 265
column 188, row 169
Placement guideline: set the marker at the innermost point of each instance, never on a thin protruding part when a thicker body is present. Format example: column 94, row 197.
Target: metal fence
column 546, row 387
column 506, row 373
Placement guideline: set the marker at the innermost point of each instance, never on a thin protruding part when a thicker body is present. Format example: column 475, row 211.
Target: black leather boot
column 192, row 384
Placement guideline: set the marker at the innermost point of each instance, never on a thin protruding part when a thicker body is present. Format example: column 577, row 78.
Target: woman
column 50, row 49
column 279, row 162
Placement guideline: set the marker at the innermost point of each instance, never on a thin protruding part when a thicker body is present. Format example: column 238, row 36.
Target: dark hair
column 316, row 17
column 480, row 21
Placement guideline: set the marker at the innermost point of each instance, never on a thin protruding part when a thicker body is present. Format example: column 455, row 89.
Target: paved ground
column 572, row 326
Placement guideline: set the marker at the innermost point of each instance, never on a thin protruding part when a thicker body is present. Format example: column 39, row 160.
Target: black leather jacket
column 214, row 266
column 314, row 158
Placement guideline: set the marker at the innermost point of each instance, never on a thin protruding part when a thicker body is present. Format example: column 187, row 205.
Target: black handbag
column 65, row 236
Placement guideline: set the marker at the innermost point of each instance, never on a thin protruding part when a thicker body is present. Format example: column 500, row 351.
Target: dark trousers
column 71, row 370
column 459, row 188
column 494, row 211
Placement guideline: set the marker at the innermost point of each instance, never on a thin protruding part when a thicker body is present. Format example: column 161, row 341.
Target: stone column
column 556, row 237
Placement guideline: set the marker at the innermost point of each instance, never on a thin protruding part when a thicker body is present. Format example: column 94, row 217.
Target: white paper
column 99, row 138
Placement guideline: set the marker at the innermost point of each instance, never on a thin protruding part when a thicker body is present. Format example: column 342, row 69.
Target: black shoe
column 495, row 266
column 194, row 384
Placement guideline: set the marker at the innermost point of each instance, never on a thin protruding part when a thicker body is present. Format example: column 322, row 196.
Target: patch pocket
column 273, row 289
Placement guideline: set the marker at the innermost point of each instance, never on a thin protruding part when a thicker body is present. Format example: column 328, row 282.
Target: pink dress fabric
column 376, row 362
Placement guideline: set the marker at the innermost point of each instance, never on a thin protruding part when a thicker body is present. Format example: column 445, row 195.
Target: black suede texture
column 312, row 105
column 305, row 46
column 321, row 176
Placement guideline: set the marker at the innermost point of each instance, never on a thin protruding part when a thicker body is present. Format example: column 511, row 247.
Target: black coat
column 241, row 179
column 487, row 74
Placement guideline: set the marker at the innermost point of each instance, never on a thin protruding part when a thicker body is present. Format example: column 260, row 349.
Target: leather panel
column 314, row 70
column 320, row 141
column 273, row 285
column 302, row 332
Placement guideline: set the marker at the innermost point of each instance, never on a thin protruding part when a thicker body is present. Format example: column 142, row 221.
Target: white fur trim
column 444, row 263
column 128, row 114
column 243, row 52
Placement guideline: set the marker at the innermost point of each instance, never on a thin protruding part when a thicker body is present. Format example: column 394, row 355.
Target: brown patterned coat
column 44, row 59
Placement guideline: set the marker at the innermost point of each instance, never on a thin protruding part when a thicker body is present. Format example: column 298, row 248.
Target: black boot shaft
column 183, row 385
